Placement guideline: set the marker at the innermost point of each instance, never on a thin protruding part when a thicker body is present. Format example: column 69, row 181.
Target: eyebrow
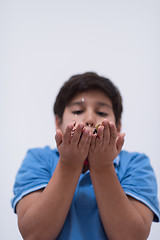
column 103, row 104
column 80, row 103
column 76, row 103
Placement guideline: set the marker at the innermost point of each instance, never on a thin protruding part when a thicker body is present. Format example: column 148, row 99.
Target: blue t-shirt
column 134, row 172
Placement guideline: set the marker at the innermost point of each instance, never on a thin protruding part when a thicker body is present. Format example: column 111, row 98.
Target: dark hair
column 85, row 82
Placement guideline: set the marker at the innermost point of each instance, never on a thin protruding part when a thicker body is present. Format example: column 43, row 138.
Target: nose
column 89, row 124
column 90, row 120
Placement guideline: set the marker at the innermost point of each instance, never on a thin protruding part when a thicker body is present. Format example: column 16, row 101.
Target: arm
column 122, row 217
column 42, row 214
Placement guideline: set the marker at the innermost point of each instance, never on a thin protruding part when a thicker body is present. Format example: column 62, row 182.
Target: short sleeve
column 139, row 182
column 34, row 174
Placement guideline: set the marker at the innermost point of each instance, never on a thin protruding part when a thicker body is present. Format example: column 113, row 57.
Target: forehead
column 91, row 96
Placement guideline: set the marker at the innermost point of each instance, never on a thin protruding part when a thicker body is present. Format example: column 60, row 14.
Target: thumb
column 58, row 137
column 120, row 141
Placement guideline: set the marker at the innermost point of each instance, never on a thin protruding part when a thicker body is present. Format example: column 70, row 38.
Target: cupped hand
column 105, row 145
column 73, row 147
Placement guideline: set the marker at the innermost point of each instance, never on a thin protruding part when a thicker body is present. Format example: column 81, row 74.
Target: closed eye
column 77, row 112
column 102, row 114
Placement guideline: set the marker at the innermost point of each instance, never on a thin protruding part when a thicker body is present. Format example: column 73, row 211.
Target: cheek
column 67, row 119
column 78, row 118
column 111, row 118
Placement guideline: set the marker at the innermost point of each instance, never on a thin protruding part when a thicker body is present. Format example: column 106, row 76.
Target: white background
column 43, row 43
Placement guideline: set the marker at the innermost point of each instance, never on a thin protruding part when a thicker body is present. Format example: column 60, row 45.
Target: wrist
column 70, row 166
column 100, row 169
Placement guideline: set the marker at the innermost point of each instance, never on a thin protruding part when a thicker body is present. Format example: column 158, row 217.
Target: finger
column 78, row 133
column 58, row 137
column 106, row 133
column 83, row 137
column 67, row 133
column 113, row 133
column 93, row 141
column 120, row 141
column 85, row 141
column 99, row 138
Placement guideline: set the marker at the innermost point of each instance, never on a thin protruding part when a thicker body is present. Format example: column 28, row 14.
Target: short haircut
column 83, row 83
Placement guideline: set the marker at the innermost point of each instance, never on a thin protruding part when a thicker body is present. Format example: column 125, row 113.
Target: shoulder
column 44, row 152
column 44, row 155
column 131, row 155
column 136, row 165
column 128, row 159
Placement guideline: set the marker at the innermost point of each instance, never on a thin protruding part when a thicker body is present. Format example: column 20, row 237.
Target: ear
column 119, row 127
column 58, row 122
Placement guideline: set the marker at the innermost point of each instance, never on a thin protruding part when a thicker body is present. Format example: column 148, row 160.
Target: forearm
column 120, row 218
column 44, row 219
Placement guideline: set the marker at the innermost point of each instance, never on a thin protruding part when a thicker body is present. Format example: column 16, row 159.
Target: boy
column 87, row 188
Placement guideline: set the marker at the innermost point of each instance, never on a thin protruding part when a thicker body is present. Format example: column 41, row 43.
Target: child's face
column 90, row 107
